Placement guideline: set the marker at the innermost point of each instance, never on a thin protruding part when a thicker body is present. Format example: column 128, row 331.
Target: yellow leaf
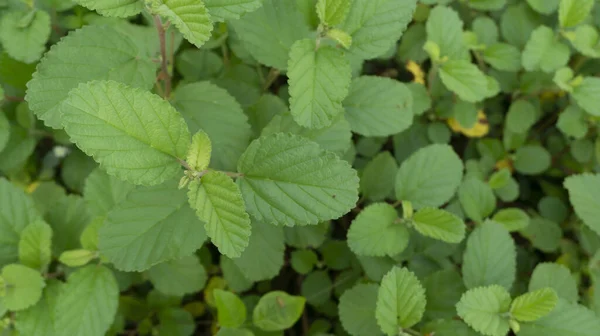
column 31, row 188
column 480, row 129
column 416, row 71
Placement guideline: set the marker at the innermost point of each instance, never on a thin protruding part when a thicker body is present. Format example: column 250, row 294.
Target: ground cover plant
column 299, row 167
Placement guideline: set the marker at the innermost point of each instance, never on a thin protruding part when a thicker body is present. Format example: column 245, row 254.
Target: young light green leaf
column 213, row 110
column 477, row 199
column 500, row 179
column 377, row 179
column 114, row 8
column 534, row 305
column 221, row 10
column 585, row 93
column 333, row 12
column 376, row 25
column 22, row 287
column 269, row 32
column 341, row 37
column 357, row 310
column 573, row 12
column 87, row 303
column 337, row 137
column 39, row 320
column 400, row 301
column 466, row 80
column 289, row 180
column 503, row 56
column 318, row 80
column 152, row 225
column 513, row 219
column 90, row 53
column 544, row 51
column 117, row 134
column 557, row 277
column 24, row 34
column 445, row 28
column 35, row 245
column 377, row 231
column 179, row 276
column 277, row 311
column 264, row 256
column 76, row 258
column 532, row 159
column 189, row 16
column 490, row 257
column 198, row 156
column 230, row 309
column 378, row 106
column 17, row 211
column 429, row 177
column 102, row 192
column 439, row 224
column 567, row 319
column 584, row 194
column 218, row 202
column 483, row 308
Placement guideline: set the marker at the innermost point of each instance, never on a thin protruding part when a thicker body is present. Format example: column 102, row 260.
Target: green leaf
column 378, row 106
column 17, row 150
column 466, row 80
column 178, row 277
column 102, row 192
column 341, row 37
column 114, row 8
column 573, row 12
column 486, row 30
column 532, row 160
column 175, row 321
column 277, row 311
column 377, row 178
column 487, row 4
column 337, row 137
column 306, row 236
column 22, row 287
column 482, row 308
column 218, row 202
column 444, row 289
column 586, row 40
column 35, row 245
column 544, row 6
column 198, row 156
column 119, row 138
column 190, row 17
column 445, row 28
column 544, row 234
column 76, row 258
column 449, row 328
column 316, row 288
column 400, row 301
column 264, row 256
column 557, row 277
column 500, row 179
column 289, row 180
column 376, row 26
column 4, row 130
column 68, row 218
column 544, row 51
column 269, row 32
column 377, row 231
column 586, row 93
column 24, row 34
column 152, row 225
column 234, row 277
column 584, row 194
column 490, row 257
column 303, row 261
column 333, row 12
column 87, row 303
column 429, row 177
column 477, row 199
column 318, row 80
column 567, row 319
column 513, row 219
column 439, row 224
column 90, row 53
column 503, row 56
column 231, row 310
column 222, row 10
column 534, row 305
column 39, row 320
column 17, row 211
column 521, row 116
column 357, row 310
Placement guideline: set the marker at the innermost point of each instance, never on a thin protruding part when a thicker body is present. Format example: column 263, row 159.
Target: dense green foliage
column 300, row 167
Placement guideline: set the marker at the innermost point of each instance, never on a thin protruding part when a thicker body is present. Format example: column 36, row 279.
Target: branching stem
column 165, row 75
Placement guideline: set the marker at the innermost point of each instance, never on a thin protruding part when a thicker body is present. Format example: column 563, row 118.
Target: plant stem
column 271, row 77
column 164, row 66
column 206, row 171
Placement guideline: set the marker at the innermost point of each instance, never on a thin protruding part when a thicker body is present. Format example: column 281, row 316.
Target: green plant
column 307, row 167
